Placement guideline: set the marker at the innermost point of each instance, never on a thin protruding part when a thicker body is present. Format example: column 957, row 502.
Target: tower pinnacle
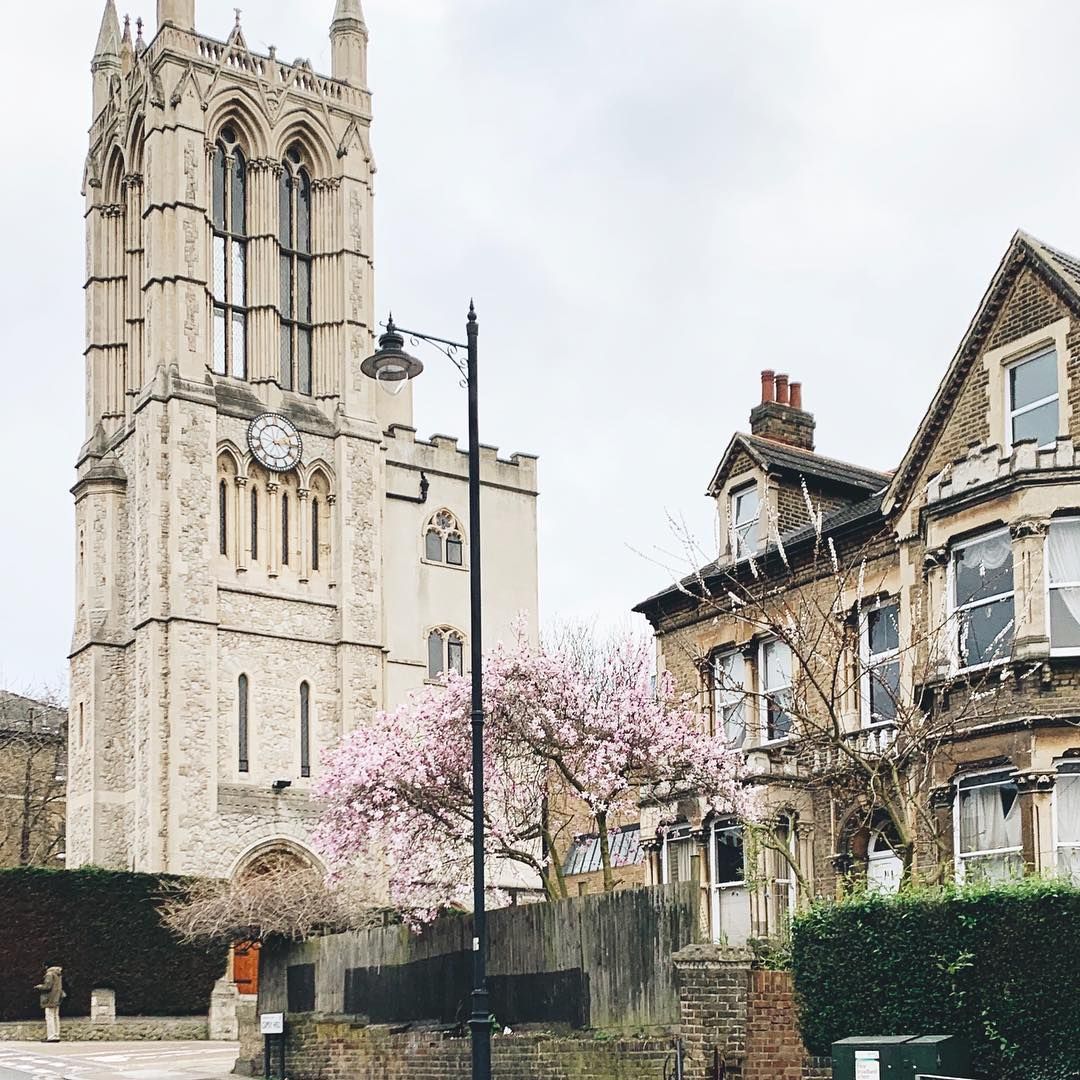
column 178, row 13
column 106, row 62
column 348, row 43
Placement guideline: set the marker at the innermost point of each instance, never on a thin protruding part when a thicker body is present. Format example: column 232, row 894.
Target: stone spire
column 106, row 62
column 178, row 13
column 140, row 44
column 348, row 43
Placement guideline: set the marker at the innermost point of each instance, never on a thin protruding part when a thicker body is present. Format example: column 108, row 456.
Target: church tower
column 265, row 552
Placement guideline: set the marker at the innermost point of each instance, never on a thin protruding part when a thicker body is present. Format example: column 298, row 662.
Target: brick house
column 33, row 770
column 897, row 654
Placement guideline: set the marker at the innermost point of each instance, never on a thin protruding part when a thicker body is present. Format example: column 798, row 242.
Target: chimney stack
column 768, row 386
column 781, row 389
column 780, row 416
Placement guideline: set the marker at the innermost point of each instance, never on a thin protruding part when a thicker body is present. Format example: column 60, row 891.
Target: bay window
column 729, row 696
column 676, row 847
column 1067, row 821
column 982, row 599
column 774, row 672
column 988, row 843
column 881, row 663
column 1063, row 578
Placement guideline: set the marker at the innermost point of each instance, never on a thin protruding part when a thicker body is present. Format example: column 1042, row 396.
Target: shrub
column 103, row 928
column 998, row 965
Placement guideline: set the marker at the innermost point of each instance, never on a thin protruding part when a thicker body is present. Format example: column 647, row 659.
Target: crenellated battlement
column 441, row 455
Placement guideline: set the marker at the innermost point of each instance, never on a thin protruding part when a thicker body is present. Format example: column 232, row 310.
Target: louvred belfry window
column 229, row 257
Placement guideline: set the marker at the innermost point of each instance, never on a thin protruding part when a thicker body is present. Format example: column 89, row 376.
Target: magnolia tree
column 576, row 732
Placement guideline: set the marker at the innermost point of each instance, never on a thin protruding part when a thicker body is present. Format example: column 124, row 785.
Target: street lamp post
column 392, row 367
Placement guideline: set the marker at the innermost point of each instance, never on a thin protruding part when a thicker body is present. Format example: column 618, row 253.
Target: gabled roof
column 777, row 457
column 1060, row 272
column 857, row 515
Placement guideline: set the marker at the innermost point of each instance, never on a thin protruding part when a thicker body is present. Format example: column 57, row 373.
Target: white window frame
column 740, row 550
column 765, row 691
column 726, row 699
column 956, row 610
column 1069, row 769
column 788, row 886
column 871, row 661
column 716, row 887
column 994, row 778
column 674, row 834
column 1010, row 412
column 1052, row 585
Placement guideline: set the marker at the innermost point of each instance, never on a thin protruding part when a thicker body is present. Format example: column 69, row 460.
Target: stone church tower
column 265, row 552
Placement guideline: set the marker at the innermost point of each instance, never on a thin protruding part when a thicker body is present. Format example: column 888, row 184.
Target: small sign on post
column 272, row 1023
column 272, row 1026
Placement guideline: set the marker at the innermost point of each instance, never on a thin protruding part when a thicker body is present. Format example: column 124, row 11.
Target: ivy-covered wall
column 1000, row 966
column 103, row 928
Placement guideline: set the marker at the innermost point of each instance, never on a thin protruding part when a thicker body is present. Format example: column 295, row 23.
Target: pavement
column 192, row 1060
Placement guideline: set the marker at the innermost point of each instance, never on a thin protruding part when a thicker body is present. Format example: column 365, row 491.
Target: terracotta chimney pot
column 782, row 389
column 796, row 395
column 768, row 385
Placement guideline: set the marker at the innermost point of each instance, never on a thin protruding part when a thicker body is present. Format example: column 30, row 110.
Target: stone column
column 1031, row 638
column 224, row 999
column 714, row 994
column 103, row 1006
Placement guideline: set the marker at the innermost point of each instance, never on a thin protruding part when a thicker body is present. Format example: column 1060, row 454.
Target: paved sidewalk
column 117, row 1060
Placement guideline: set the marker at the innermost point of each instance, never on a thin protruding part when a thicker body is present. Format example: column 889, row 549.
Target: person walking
column 52, row 993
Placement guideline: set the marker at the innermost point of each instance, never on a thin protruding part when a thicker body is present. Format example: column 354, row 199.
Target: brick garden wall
column 729, row 1015
column 332, row 1048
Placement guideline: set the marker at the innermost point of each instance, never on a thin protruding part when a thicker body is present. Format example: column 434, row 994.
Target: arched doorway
column 884, row 867
column 267, row 860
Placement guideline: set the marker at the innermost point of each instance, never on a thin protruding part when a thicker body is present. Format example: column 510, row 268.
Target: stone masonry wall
column 124, row 1029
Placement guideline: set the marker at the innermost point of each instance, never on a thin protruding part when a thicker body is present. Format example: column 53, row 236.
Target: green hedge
column 103, row 928
column 1000, row 966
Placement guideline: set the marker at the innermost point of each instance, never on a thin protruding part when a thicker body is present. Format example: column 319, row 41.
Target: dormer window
column 1032, row 398
column 745, row 512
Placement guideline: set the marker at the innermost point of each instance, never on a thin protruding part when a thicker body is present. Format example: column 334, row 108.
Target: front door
column 246, row 966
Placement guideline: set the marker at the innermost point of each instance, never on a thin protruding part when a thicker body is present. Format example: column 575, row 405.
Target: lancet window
column 294, row 243
column 229, row 222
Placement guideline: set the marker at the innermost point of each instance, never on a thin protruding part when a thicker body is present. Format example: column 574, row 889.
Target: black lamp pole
column 391, row 365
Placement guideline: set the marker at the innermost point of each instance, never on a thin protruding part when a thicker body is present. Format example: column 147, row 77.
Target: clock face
column 275, row 442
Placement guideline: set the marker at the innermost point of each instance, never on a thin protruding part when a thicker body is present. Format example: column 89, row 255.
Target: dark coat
column 52, row 988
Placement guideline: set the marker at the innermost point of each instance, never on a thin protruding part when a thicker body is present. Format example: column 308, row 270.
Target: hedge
column 998, row 965
column 102, row 927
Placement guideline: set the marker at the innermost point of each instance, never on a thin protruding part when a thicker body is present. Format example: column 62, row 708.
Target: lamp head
column 390, row 365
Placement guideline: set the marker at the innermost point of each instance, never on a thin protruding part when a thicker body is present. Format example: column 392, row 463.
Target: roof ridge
column 885, row 474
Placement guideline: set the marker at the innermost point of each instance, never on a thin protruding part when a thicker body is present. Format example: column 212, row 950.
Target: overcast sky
column 650, row 200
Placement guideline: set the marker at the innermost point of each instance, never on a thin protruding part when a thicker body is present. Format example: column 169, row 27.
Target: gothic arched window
column 321, row 500
column 446, row 652
column 242, row 722
column 294, row 244
column 254, row 522
column 284, row 528
column 305, row 729
column 443, row 540
column 223, row 518
column 230, row 257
